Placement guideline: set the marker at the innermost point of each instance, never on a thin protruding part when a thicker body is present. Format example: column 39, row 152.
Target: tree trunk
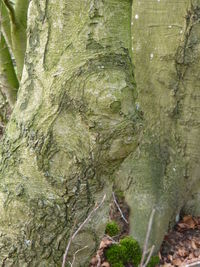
column 73, row 124
column 164, row 170
column 80, row 126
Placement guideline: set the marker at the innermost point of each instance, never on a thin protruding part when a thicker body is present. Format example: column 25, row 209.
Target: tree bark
column 164, row 170
column 81, row 126
column 73, row 124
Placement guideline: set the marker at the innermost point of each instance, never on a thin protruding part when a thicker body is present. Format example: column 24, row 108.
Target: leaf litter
column 181, row 246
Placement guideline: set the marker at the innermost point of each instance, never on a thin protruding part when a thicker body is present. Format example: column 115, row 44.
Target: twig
column 118, row 207
column 147, row 237
column 70, row 240
column 148, row 251
column 149, row 256
column 74, row 256
column 192, row 264
column 79, row 228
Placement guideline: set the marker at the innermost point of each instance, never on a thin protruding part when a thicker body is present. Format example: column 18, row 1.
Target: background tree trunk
column 163, row 171
column 80, row 126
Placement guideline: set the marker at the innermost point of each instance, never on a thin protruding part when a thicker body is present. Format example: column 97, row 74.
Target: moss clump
column 115, row 254
column 127, row 251
column 112, row 229
column 119, row 264
column 133, row 251
column 119, row 194
column 154, row 261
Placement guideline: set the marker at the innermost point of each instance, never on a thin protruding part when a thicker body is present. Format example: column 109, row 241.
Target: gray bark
column 81, row 125
column 72, row 126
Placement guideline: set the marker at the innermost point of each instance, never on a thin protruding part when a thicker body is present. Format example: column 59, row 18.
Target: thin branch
column 193, row 264
column 147, row 237
column 148, row 251
column 74, row 256
column 10, row 7
column 149, row 256
column 118, row 207
column 89, row 216
column 79, row 228
column 70, row 239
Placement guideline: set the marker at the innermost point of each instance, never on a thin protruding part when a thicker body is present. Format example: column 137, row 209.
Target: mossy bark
column 73, row 124
column 80, row 126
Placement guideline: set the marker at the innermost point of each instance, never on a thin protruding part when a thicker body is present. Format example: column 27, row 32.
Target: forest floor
column 181, row 246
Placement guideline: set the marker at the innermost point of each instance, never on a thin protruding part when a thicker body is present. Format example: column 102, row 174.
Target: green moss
column 115, row 106
column 154, row 261
column 119, row 194
column 119, row 264
column 112, row 228
column 115, row 254
column 133, row 251
column 127, row 251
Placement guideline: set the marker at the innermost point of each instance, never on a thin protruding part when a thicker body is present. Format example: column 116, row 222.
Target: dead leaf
column 197, row 253
column 94, row 261
column 182, row 225
column 189, row 221
column 170, row 257
column 193, row 245
column 196, row 220
column 191, row 256
column 105, row 264
column 187, row 217
column 105, row 243
column 182, row 252
column 177, row 262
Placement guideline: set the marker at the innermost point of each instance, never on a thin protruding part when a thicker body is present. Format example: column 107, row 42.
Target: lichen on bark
column 73, row 124
column 80, row 126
